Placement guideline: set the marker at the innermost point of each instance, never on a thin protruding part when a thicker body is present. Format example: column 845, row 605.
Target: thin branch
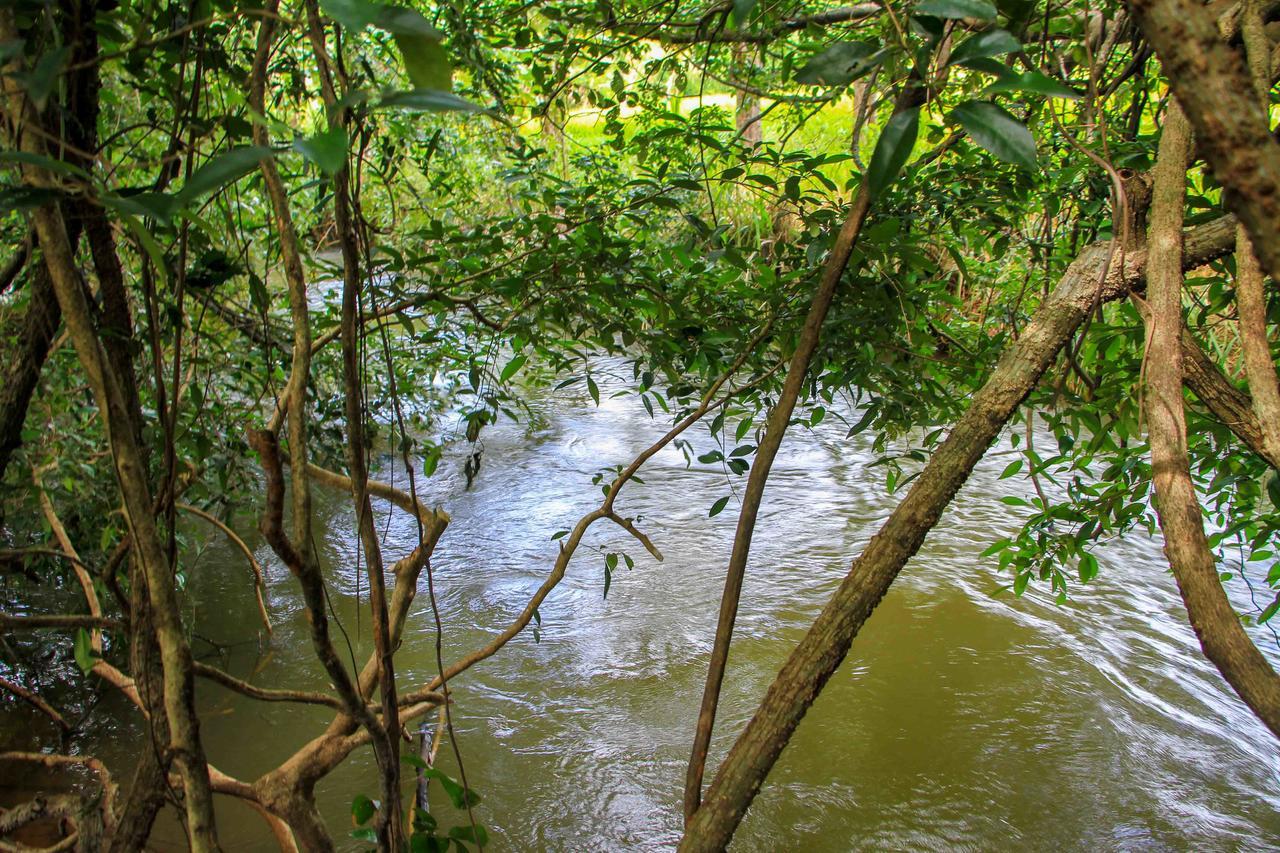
column 259, row 585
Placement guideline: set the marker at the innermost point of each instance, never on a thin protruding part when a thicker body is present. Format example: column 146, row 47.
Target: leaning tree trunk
column 1089, row 280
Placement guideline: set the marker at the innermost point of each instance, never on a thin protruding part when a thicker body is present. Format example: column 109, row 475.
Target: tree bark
column 22, row 374
column 1215, row 621
column 828, row 640
column 184, row 737
column 1210, row 81
column 1251, row 300
column 775, row 428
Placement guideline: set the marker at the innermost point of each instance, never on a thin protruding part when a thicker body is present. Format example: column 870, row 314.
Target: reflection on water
column 959, row 721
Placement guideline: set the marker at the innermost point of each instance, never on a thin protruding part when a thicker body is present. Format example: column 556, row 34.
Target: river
column 960, row 720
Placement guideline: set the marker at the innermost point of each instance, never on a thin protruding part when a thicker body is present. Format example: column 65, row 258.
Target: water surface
column 959, row 721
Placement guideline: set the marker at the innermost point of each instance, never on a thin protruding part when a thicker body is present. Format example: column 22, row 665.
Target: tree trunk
column 1210, row 81
column 828, row 639
column 1215, row 621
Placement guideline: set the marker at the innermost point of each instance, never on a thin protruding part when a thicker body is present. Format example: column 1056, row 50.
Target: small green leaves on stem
column 1088, row 568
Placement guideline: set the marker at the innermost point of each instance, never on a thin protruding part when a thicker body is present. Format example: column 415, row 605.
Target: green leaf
column 978, row 9
column 354, row 15
column 459, row 796
column 328, row 150
column 403, row 21
column 513, row 367
column 1034, row 82
column 83, row 649
column 157, row 206
column 427, row 100
column 993, row 128
column 608, row 580
column 425, row 61
column 742, row 10
column 892, row 150
column 1088, row 568
column 987, row 65
column 365, row 834
column 362, row 808
column 1009, row 470
column 222, row 170
column 1270, row 611
column 49, row 164
column 475, row 834
column 983, row 45
column 593, row 390
column 43, row 76
column 840, row 64
column 718, row 506
column 26, row 198
column 996, row 547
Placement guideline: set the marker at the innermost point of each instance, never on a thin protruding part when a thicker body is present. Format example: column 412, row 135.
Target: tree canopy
column 254, row 249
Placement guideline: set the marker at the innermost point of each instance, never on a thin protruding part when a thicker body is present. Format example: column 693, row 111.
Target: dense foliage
column 489, row 195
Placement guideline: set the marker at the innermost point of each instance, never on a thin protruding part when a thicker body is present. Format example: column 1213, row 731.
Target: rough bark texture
column 25, row 361
column 1231, row 406
column 1214, row 88
column 1216, row 624
column 827, row 642
column 1251, row 299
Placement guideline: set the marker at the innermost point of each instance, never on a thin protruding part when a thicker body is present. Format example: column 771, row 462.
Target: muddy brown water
column 960, row 720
